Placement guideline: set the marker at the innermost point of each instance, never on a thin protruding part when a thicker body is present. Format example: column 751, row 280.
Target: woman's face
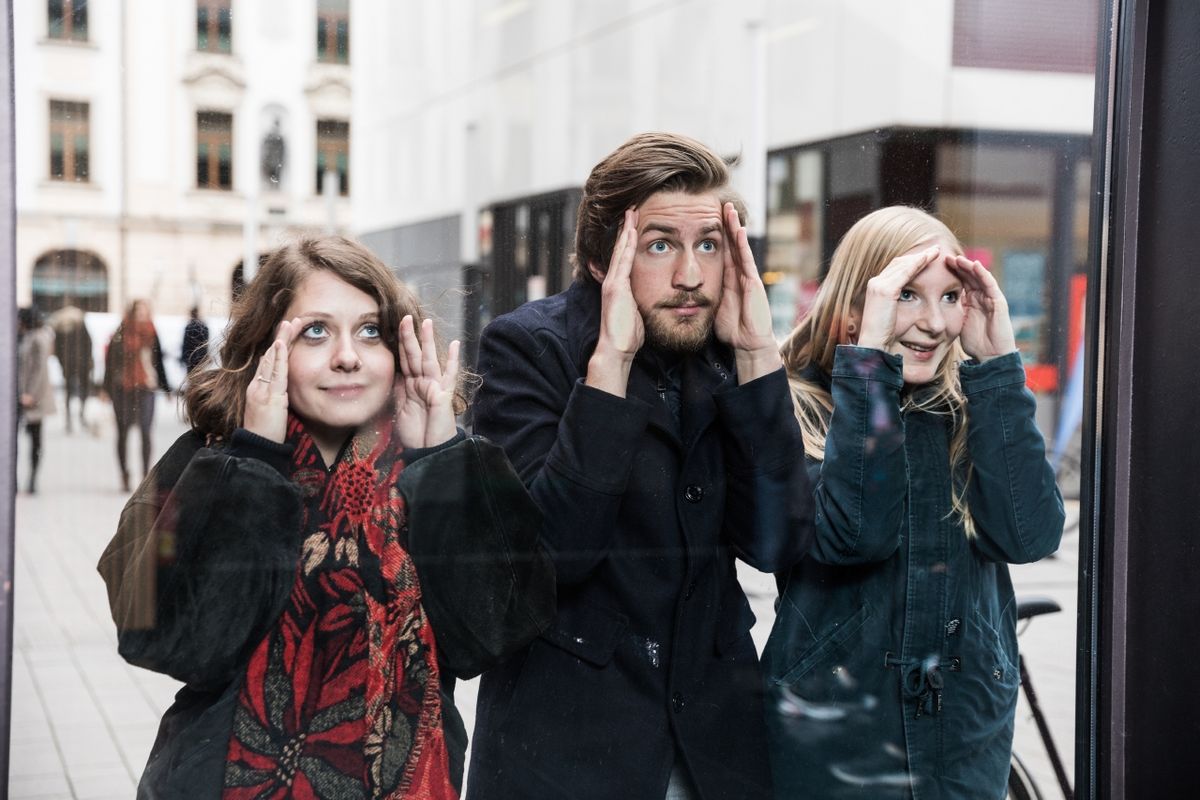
column 929, row 318
column 340, row 372
column 141, row 312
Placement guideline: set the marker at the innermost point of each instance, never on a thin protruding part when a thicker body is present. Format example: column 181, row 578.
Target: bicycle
column 1021, row 785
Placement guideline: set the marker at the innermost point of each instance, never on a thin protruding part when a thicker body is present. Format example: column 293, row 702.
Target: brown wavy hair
column 215, row 399
column 868, row 247
column 645, row 165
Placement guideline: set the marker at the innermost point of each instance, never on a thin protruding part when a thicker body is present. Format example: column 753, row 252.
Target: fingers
column 410, row 349
column 621, row 265
column 419, row 358
column 450, row 374
column 430, row 367
column 905, row 268
column 975, row 276
column 739, row 243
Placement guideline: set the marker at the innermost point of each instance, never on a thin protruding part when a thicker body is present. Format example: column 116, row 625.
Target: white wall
column 463, row 103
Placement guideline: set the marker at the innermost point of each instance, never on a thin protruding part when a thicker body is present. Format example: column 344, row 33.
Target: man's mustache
column 679, row 299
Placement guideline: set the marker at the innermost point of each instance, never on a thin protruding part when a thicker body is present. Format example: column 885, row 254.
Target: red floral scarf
column 341, row 699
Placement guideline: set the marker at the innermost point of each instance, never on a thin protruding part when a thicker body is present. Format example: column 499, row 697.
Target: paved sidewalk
column 84, row 720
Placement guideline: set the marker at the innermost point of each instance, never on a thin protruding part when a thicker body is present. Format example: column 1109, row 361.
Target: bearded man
column 647, row 409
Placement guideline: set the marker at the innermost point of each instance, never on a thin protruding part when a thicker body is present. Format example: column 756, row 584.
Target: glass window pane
column 201, row 28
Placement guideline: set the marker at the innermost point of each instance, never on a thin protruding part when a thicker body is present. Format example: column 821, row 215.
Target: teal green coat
column 892, row 666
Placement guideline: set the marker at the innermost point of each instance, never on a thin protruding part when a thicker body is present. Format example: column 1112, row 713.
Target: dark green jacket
column 891, row 668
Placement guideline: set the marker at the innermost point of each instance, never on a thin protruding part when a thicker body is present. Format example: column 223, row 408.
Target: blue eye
column 314, row 330
column 708, row 246
column 951, row 297
column 658, row 247
column 907, row 294
column 371, row 331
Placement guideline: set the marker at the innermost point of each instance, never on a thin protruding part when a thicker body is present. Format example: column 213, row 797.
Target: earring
column 851, row 329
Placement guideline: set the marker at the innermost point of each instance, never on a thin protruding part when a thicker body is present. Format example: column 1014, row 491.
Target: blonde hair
column 868, row 247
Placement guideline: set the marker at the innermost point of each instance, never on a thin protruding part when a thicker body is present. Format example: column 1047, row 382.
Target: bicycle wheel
column 1020, row 782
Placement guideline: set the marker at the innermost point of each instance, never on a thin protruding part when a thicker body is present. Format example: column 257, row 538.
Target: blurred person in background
column 35, row 343
column 892, row 664
column 195, row 341
column 73, row 349
column 133, row 372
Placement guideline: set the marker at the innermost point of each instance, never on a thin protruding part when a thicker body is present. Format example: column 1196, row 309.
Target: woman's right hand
column 877, row 328
column 266, row 396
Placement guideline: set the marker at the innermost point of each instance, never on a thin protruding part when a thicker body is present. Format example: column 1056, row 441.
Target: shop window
column 68, row 20
column 214, row 150
column 214, row 26
column 333, row 31
column 69, row 141
column 333, row 153
column 795, row 212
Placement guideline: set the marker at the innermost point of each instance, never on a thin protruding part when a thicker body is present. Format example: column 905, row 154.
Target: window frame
column 333, row 140
column 71, row 120
column 218, row 170
column 333, row 34
column 72, row 20
column 211, row 16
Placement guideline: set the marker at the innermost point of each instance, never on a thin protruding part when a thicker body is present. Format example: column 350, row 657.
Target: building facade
column 161, row 145
column 476, row 122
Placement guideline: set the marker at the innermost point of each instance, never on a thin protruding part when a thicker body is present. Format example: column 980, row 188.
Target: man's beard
column 671, row 333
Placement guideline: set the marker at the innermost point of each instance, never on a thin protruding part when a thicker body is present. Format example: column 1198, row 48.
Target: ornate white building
column 161, row 144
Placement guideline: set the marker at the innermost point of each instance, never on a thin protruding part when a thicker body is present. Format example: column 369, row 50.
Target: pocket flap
column 589, row 634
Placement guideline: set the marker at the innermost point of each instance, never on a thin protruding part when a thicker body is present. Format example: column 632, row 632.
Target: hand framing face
column 424, row 390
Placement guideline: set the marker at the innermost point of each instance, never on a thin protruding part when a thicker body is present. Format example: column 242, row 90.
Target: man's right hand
column 621, row 329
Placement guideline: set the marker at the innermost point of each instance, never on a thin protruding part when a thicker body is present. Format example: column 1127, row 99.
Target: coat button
column 677, row 702
column 952, row 626
column 693, row 493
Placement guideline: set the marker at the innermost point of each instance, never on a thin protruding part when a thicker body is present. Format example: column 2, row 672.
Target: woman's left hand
column 987, row 329
column 424, row 390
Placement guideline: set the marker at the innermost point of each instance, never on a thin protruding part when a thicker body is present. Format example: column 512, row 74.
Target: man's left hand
column 744, row 315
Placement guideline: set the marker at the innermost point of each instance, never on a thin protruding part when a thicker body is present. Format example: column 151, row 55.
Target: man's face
column 678, row 267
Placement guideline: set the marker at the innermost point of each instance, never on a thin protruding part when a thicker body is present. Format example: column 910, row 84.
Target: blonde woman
column 891, row 667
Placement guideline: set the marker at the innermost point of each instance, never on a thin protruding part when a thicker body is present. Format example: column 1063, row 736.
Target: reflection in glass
column 473, row 125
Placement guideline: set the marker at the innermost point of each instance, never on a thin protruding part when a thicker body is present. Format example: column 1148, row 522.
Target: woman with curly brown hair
column 266, row 563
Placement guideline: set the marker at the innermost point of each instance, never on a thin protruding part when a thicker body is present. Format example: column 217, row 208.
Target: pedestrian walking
column 73, row 349
column 195, row 341
column 269, row 561
column 36, row 395
column 133, row 373
column 891, row 666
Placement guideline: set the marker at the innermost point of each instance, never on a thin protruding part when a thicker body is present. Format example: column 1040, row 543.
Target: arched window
column 70, row 277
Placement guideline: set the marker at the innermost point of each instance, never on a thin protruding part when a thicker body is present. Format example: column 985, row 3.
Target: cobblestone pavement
column 83, row 720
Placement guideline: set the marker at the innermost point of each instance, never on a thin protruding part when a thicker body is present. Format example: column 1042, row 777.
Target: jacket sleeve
column 860, row 495
column 473, row 532
column 160, row 368
column 1013, row 497
column 572, row 445
column 768, row 503
column 204, row 558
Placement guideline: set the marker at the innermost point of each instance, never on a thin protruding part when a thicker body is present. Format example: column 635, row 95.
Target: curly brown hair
column 645, row 165
column 215, row 399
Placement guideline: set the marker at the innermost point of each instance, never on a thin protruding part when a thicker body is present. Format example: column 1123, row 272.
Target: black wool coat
column 650, row 659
